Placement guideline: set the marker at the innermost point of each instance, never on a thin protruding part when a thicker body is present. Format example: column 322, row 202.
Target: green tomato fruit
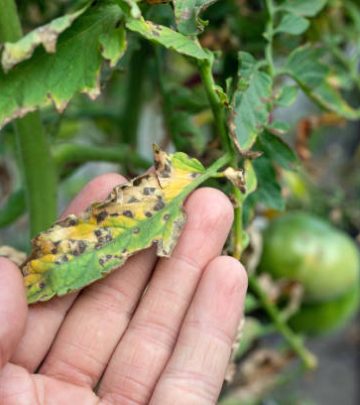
column 328, row 316
column 304, row 248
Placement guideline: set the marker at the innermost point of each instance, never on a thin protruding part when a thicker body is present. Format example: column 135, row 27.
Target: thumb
column 13, row 309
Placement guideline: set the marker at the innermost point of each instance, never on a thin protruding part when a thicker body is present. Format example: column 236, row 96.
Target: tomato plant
column 87, row 81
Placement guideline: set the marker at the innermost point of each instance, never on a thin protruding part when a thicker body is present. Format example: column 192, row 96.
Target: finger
column 96, row 322
column 13, row 309
column 196, row 370
column 44, row 319
column 151, row 335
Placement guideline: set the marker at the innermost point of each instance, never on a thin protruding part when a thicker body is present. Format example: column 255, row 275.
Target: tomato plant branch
column 37, row 166
column 308, row 359
column 134, row 94
column 269, row 35
column 218, row 110
column 205, row 68
column 69, row 153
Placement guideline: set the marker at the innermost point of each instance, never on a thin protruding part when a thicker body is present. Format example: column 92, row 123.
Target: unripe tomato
column 304, row 248
column 323, row 317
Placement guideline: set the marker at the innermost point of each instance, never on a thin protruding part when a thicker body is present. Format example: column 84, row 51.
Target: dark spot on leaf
column 166, row 217
column 42, row 285
column 97, row 233
column 114, row 214
column 137, row 181
column 54, row 251
column 101, row 261
column 159, row 205
column 82, row 246
column 108, row 257
column 136, row 230
column 101, row 216
column 149, row 190
column 148, row 214
column 128, row 214
column 108, row 238
column 133, row 200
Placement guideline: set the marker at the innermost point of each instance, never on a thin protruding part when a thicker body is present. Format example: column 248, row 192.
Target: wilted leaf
column 306, row 8
column 46, row 35
column 251, row 101
column 75, row 67
column 304, row 65
column 81, row 249
column 187, row 15
column 168, row 38
column 292, row 24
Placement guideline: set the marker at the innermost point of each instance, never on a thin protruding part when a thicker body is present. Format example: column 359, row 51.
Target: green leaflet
column 75, row 67
column 168, row 38
column 81, row 249
column 251, row 101
column 304, row 65
column 187, row 15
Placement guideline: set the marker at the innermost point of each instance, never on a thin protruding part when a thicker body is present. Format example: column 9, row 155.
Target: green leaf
column 287, row 96
column 268, row 192
column 168, row 38
column 292, row 24
column 187, row 15
column 277, row 150
column 304, row 65
column 278, row 127
column 251, row 101
column 75, row 67
column 250, row 177
column 306, row 8
column 46, row 35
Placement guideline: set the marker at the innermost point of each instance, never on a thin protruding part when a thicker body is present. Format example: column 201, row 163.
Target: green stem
column 72, row 153
column 269, row 37
column 134, row 95
column 308, row 359
column 38, row 169
column 205, row 68
column 238, row 224
column 38, row 172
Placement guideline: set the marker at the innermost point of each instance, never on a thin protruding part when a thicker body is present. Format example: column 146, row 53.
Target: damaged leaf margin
column 46, row 35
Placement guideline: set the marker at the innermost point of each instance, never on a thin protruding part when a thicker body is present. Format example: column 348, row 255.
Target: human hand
column 167, row 344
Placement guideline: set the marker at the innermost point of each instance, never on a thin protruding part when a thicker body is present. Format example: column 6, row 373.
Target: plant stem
column 38, row 172
column 238, row 224
column 308, row 359
column 134, row 94
column 205, row 68
column 220, row 122
column 74, row 153
column 38, row 169
column 269, row 37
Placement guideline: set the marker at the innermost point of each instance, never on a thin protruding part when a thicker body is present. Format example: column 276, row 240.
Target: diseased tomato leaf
column 45, row 35
column 38, row 78
column 79, row 250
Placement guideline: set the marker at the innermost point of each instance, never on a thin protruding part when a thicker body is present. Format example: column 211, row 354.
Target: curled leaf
column 236, row 177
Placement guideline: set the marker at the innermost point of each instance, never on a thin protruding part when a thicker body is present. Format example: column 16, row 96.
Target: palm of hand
column 170, row 344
